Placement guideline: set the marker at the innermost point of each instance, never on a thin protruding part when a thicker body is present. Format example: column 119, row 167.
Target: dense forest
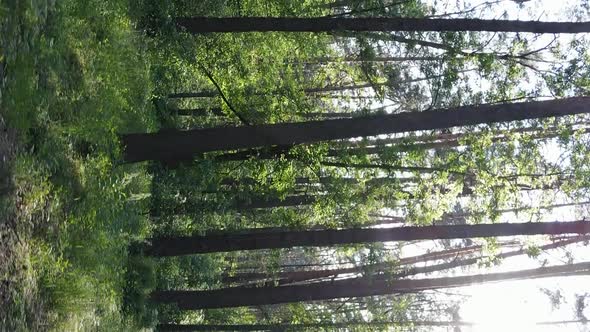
column 282, row 165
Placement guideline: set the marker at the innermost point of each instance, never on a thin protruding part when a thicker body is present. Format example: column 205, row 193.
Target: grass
column 74, row 75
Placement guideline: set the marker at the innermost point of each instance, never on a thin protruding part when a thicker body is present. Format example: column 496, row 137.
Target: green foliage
column 74, row 81
column 140, row 279
column 80, row 73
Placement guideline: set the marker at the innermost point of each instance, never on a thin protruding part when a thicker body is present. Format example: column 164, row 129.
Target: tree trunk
column 328, row 115
column 199, row 111
column 203, row 94
column 183, row 145
column 324, row 180
column 297, row 276
column 514, row 210
column 471, row 261
column 239, row 204
column 398, row 144
column 325, row 89
column 373, row 85
column 266, row 203
column 375, row 59
column 302, row 327
column 265, row 154
column 358, row 287
column 186, row 245
column 198, row 25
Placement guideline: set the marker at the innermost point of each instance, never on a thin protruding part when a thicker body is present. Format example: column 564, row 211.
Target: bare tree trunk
column 183, row 145
column 359, row 287
column 199, row 111
column 298, row 276
column 325, row 89
column 375, row 59
column 457, row 261
column 198, row 25
column 303, row 327
column 186, row 245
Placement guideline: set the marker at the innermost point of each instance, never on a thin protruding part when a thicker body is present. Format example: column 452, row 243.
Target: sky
column 518, row 305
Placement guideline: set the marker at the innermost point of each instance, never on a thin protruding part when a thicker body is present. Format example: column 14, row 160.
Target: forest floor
column 73, row 75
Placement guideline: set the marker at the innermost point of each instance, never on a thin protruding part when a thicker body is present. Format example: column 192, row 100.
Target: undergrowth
column 74, row 75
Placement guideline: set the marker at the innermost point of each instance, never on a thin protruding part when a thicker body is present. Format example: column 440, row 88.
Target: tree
column 304, row 327
column 183, row 145
column 288, row 277
column 309, row 326
column 357, row 287
column 326, row 89
column 185, row 245
column 456, row 254
column 199, row 25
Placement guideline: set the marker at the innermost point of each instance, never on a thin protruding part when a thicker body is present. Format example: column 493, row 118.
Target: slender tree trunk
column 183, row 145
column 186, row 245
column 565, row 322
column 265, row 203
column 419, row 169
column 240, row 205
column 471, row 261
column 397, row 144
column 451, row 50
column 359, row 287
column 326, row 89
column 373, row 85
column 324, row 180
column 303, row 327
column 443, row 137
column 297, row 276
column 202, row 94
column 329, row 115
column 515, row 210
column 199, row 111
column 265, row 154
column 375, row 59
column 199, row 25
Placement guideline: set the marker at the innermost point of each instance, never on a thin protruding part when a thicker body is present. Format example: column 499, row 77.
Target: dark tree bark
column 186, row 245
column 302, row 327
column 373, row 85
column 328, row 115
column 456, row 253
column 325, row 180
column 515, row 210
column 199, row 111
column 266, row 203
column 183, row 145
column 262, row 154
column 203, row 94
column 239, row 204
column 375, row 59
column 296, row 276
column 325, row 89
column 358, row 287
column 382, row 145
column 471, row 261
column 199, row 25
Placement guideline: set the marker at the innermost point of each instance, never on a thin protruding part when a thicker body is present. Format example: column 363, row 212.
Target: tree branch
column 236, row 113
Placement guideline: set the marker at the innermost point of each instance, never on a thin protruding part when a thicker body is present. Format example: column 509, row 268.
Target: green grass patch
column 75, row 76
